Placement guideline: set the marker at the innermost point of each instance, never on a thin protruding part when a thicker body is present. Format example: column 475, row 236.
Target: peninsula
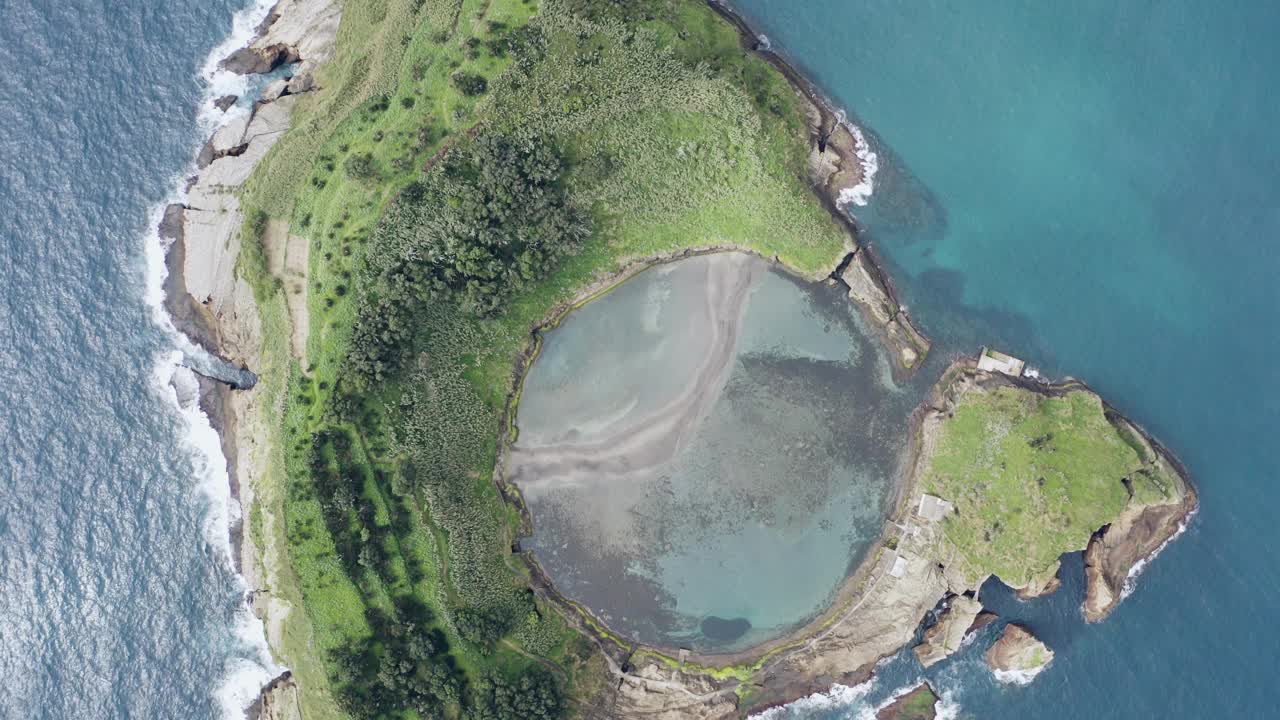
column 429, row 184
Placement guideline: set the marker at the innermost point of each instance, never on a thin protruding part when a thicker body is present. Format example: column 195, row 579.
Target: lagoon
column 707, row 450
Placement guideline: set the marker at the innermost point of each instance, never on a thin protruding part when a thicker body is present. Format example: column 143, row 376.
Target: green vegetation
column 468, row 166
column 919, row 705
column 1032, row 477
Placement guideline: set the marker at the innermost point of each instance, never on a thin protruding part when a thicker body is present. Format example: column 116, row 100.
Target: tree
column 535, row 695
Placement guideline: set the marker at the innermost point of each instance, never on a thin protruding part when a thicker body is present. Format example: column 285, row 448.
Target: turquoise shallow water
column 1091, row 185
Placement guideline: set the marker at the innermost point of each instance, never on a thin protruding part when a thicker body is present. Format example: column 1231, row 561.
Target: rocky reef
column 918, row 704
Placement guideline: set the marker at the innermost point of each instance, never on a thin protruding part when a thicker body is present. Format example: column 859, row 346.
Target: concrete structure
column 933, row 508
column 996, row 361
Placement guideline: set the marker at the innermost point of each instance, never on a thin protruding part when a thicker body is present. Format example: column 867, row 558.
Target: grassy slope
column 694, row 159
column 1032, row 477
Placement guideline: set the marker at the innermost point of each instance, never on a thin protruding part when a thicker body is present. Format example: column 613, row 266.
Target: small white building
column 933, row 508
column 996, row 361
column 892, row 564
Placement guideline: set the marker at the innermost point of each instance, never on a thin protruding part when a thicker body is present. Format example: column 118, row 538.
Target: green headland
column 458, row 174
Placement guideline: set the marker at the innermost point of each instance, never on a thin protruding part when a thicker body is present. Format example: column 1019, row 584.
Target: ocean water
column 117, row 593
column 706, row 450
column 1091, row 185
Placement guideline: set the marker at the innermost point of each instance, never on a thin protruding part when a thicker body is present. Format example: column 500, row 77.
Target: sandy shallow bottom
column 706, row 451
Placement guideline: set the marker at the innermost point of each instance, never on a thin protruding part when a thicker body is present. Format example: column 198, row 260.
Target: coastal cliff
column 213, row 304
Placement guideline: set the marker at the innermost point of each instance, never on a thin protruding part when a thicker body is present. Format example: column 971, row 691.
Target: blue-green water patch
column 706, row 451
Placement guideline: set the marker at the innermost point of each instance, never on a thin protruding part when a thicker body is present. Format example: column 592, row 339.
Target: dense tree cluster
column 534, row 696
column 489, row 218
column 407, row 667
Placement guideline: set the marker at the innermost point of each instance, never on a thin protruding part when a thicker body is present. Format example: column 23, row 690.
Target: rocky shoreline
column 882, row 605
column 215, row 308
column 835, row 171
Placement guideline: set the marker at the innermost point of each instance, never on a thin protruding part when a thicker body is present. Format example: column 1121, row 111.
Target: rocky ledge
column 962, row 616
column 1018, row 656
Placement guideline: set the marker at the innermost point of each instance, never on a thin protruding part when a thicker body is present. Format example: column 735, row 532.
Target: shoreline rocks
column 918, row 704
column 216, row 309
column 1128, row 543
column 1018, row 656
column 946, row 635
column 259, row 60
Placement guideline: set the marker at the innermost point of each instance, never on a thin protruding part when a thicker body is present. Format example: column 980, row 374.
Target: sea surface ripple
column 116, row 595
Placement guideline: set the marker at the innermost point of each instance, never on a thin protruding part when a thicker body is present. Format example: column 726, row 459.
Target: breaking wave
column 839, row 696
column 249, row 666
column 859, row 194
column 1131, row 579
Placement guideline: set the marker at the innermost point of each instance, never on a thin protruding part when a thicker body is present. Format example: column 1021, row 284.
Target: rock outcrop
column 1047, row 584
column 1141, row 531
column 295, row 31
column 984, row 619
column 663, row 693
column 919, row 704
column 255, row 60
column 1018, row 656
column 1117, row 549
column 278, row 701
column 945, row 636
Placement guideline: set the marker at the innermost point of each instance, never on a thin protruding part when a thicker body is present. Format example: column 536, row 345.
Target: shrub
column 360, row 166
column 469, row 84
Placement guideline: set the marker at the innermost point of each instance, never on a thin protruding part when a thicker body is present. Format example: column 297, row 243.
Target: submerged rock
column 945, row 636
column 1018, row 656
column 919, row 704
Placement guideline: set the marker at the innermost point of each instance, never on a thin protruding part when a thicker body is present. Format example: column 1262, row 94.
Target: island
column 381, row 238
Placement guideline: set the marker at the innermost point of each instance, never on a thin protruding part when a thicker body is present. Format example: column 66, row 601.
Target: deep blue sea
column 1092, row 185
column 117, row 596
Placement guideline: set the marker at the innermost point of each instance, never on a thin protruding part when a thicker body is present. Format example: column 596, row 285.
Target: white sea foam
column 869, row 713
column 219, row 82
column 763, row 40
column 859, row 194
column 839, row 696
column 946, row 708
column 249, row 666
column 1018, row 677
column 1131, row 579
